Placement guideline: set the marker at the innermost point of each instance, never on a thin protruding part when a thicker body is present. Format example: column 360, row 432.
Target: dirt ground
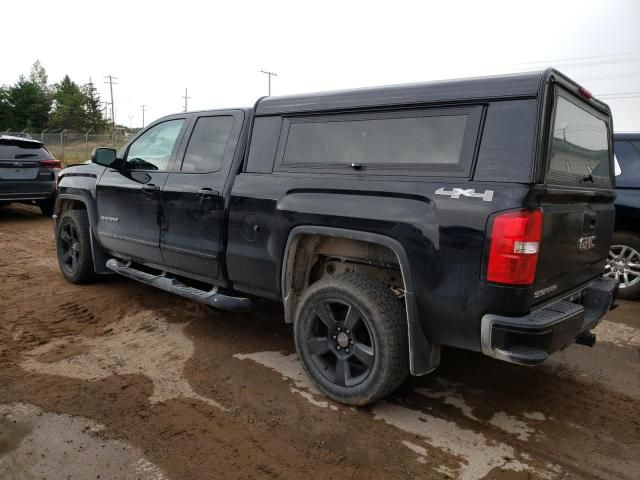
column 118, row 380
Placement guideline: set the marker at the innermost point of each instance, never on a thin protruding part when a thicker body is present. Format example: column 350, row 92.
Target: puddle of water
column 511, row 424
column 421, row 451
column 61, row 446
column 535, row 416
column 476, row 455
column 450, row 397
column 290, row 368
column 143, row 343
column 503, row 421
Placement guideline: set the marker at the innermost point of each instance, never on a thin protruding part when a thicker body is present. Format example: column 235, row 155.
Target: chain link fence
column 70, row 147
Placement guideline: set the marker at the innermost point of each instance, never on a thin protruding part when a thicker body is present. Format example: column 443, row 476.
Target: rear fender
column 424, row 356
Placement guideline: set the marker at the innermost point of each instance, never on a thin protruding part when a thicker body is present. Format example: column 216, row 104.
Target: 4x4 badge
column 487, row 195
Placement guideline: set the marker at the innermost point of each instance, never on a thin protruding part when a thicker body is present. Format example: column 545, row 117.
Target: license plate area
column 18, row 173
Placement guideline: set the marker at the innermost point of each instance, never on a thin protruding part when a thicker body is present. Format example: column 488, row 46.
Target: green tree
column 68, row 106
column 92, row 106
column 39, row 77
column 6, row 109
column 30, row 104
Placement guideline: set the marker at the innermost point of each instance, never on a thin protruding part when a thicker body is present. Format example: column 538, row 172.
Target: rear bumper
column 27, row 191
column 529, row 340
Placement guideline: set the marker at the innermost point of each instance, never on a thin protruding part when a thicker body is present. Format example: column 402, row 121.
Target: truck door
column 193, row 200
column 128, row 200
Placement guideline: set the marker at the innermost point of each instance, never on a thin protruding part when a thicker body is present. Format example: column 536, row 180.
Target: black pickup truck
column 389, row 221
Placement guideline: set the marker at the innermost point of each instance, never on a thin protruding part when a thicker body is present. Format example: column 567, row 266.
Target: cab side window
column 208, row 144
column 152, row 150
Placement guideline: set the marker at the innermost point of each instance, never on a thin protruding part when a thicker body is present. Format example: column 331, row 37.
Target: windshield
column 579, row 146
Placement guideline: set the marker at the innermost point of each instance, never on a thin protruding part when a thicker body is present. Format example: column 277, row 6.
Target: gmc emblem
column 587, row 243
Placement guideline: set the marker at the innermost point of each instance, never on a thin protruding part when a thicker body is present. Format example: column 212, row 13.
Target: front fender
column 81, row 190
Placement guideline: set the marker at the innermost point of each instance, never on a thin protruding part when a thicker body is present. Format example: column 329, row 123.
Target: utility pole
column 144, row 108
column 111, row 83
column 130, row 122
column 106, row 110
column 269, row 74
column 186, row 98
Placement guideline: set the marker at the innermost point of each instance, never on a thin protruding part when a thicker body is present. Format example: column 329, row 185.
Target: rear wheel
column 351, row 336
column 623, row 264
column 73, row 243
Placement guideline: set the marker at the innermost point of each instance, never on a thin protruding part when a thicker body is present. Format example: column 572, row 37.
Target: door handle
column 150, row 187
column 207, row 192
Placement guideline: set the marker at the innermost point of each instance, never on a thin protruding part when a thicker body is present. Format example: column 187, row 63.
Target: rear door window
column 628, row 155
column 427, row 141
column 579, row 151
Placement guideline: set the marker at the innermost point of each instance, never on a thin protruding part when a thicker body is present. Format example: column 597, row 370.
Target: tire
column 623, row 264
column 73, row 245
column 46, row 207
column 369, row 356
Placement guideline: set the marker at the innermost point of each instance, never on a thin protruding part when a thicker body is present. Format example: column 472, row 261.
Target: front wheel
column 623, row 264
column 73, row 244
column 351, row 336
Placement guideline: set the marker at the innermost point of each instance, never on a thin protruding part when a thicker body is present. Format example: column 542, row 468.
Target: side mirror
column 103, row 156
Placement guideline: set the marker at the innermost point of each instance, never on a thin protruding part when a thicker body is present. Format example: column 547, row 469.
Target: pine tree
column 92, row 106
column 30, row 104
column 6, row 109
column 38, row 76
column 68, row 106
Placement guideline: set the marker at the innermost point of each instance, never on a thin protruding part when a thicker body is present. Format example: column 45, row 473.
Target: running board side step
column 212, row 298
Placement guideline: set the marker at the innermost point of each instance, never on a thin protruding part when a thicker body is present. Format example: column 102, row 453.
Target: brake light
column 585, row 93
column 514, row 249
column 50, row 163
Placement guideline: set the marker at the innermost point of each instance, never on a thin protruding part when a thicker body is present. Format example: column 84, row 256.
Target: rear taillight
column 515, row 244
column 50, row 163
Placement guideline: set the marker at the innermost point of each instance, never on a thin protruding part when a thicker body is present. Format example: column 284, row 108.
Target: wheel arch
column 424, row 356
column 82, row 201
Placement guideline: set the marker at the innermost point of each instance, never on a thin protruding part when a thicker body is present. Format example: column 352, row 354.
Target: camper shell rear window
column 579, row 146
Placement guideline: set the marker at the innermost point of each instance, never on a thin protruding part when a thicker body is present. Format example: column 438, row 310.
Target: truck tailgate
column 576, row 233
column 577, row 198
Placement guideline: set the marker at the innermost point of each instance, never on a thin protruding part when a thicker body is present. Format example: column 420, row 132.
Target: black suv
column 27, row 173
column 623, row 263
column 390, row 221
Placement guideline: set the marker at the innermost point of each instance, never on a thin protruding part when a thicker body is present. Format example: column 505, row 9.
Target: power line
column 617, row 93
column 585, row 60
column 186, row 98
column 144, row 108
column 269, row 74
column 113, row 116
